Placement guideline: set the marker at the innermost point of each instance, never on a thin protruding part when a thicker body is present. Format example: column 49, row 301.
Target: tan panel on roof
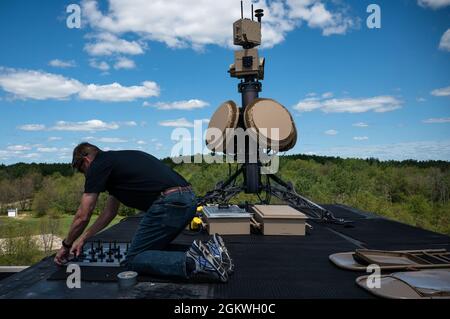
column 279, row 211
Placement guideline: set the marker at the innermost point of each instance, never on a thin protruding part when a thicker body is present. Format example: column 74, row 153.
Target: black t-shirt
column 135, row 178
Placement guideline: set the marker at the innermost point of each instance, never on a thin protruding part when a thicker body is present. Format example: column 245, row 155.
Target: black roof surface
column 268, row 267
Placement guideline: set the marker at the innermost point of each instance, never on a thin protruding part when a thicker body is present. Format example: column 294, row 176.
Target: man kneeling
column 141, row 181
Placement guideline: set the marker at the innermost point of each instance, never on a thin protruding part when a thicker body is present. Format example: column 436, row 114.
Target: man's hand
column 77, row 247
column 62, row 256
column 80, row 221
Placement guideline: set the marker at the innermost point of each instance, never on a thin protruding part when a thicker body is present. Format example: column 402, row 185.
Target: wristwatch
column 66, row 245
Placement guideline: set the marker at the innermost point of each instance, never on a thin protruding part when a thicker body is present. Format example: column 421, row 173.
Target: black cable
column 235, row 180
column 260, row 200
column 268, row 193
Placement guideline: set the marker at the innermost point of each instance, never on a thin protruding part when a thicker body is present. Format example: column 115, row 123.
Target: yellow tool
column 196, row 223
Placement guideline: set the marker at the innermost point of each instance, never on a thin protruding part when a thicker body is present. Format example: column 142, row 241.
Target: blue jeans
column 161, row 224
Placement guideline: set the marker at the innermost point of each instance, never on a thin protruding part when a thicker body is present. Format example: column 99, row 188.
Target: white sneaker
column 206, row 265
column 217, row 247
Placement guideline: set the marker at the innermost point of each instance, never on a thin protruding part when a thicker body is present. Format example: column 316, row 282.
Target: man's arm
column 80, row 221
column 82, row 217
column 108, row 214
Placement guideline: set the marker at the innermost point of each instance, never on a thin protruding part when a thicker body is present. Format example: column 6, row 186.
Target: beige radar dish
column 225, row 117
column 263, row 115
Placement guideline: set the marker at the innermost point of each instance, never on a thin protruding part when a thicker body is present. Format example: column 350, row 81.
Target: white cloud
column 124, row 63
column 181, row 122
column 180, row 105
column 18, row 148
column 41, row 86
column 32, row 127
column 327, row 95
column 30, row 155
column 331, row 132
column 107, row 44
column 54, row 138
column 377, row 104
column 37, row 85
column 62, row 64
column 181, row 23
column 90, row 126
column 418, row 150
column 421, row 99
column 7, row 154
column 316, row 15
column 441, row 92
column 112, row 140
column 360, row 138
column 434, row 4
column 17, row 155
column 360, row 124
column 444, row 44
column 308, row 104
column 101, row 65
column 107, row 139
column 47, row 149
column 141, row 142
column 437, row 120
column 117, row 93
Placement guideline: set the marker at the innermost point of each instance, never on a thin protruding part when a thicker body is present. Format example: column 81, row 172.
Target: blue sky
column 134, row 70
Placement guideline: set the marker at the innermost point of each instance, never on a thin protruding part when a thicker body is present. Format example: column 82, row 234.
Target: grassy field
column 20, row 249
column 31, row 225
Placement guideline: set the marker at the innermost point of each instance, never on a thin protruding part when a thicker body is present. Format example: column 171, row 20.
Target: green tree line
column 413, row 192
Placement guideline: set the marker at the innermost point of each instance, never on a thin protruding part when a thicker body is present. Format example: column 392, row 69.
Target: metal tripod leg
column 286, row 192
column 224, row 191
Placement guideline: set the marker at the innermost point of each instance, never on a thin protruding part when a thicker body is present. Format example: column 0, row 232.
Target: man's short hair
column 82, row 150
